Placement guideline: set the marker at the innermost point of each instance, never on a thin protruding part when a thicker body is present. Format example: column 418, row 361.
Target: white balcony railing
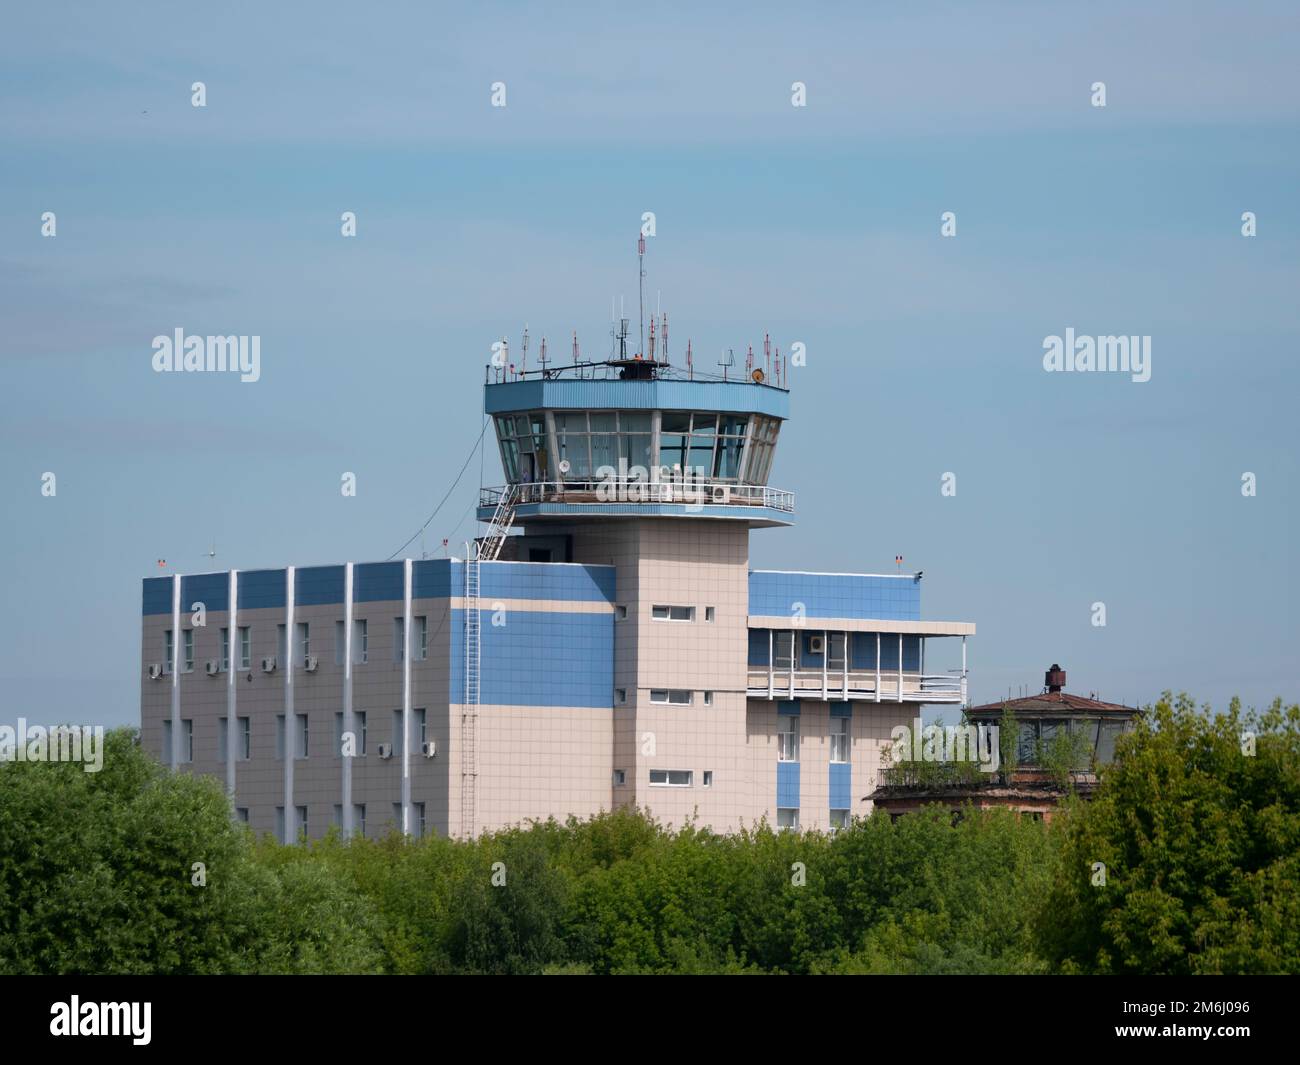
column 836, row 685
column 693, row 492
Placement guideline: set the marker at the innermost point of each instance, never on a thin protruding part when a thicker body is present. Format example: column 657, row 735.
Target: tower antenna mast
column 640, row 264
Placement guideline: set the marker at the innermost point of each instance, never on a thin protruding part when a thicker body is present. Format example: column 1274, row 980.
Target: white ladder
column 502, row 520
column 469, row 709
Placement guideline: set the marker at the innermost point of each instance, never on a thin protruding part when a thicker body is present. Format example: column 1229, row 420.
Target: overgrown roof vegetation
column 1200, row 844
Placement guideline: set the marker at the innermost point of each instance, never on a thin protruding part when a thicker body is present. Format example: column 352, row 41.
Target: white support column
column 900, row 667
column 232, row 689
column 349, row 722
column 845, row 695
column 771, row 663
column 922, row 639
column 963, row 671
column 406, row 695
column 177, row 639
column 290, row 722
column 877, row 667
column 826, row 656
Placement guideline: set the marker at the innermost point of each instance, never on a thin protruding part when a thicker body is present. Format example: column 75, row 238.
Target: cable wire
column 468, row 459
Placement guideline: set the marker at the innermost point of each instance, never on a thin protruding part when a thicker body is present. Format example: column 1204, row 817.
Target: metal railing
column 833, row 683
column 691, row 492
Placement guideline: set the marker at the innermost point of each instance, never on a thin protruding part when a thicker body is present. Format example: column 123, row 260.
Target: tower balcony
column 757, row 505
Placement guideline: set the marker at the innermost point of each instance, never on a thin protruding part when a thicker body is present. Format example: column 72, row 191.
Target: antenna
column 651, row 350
column 690, row 363
column 664, row 338
column 729, row 359
column 524, row 361
column 749, row 362
column 767, row 355
column 640, row 265
column 575, row 348
column 543, row 356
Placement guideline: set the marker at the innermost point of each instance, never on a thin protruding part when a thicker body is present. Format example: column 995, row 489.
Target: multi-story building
column 619, row 653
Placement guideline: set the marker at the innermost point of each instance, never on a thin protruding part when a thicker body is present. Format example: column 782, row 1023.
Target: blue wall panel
column 759, row 647
column 157, row 598
column 262, row 589
column 374, row 582
column 834, row 595
column 318, row 585
column 787, row 784
column 740, row 397
column 538, row 659
column 434, row 578
column 541, row 580
column 841, row 786
column 210, row 589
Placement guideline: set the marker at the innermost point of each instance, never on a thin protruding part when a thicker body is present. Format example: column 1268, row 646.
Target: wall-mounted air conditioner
column 428, row 748
column 155, row 671
column 816, row 645
column 268, row 664
column 212, row 668
column 722, row 493
column 385, row 750
column 310, row 663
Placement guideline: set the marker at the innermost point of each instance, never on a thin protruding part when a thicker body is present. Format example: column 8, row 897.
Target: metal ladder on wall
column 502, row 519
column 469, row 709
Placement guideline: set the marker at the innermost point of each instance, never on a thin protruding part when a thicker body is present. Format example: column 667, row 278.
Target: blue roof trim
column 732, row 396
column 766, row 515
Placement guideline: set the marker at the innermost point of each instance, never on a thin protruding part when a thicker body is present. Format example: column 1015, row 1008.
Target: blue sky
column 817, row 224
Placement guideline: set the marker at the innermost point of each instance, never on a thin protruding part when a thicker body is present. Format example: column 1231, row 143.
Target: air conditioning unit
column 268, row 664
column 722, row 493
column 428, row 748
column 816, row 645
column 310, row 663
column 385, row 750
column 155, row 671
column 213, row 667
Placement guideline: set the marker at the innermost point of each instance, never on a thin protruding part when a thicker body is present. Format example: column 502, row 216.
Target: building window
column 708, row 698
column 279, row 736
column 835, row 659
column 244, row 748
column 708, row 778
column 787, row 738
column 304, row 642
column 421, row 733
column 167, row 742
column 839, row 739
column 300, row 737
column 359, row 724
column 225, row 650
column 839, row 819
column 399, row 639
column 710, row 614
column 417, row 812
column 787, row 818
column 620, row 612
column 620, row 777
column 169, row 650
column 301, row 819
column 281, row 647
column 188, row 664
column 279, row 824
column 187, row 740
column 245, row 647
column 420, row 639
column 620, row 695
column 672, row 613
column 360, row 642
column 241, row 814
column 671, row 697
column 783, row 644
column 340, row 642
column 671, row 778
